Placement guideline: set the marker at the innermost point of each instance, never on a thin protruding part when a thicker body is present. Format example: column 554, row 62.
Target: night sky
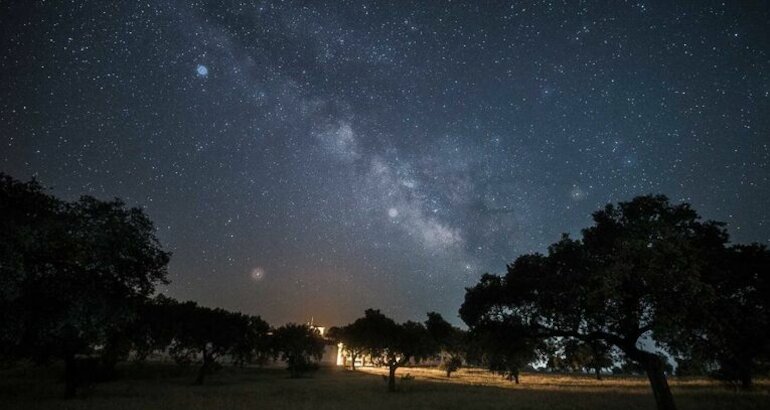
column 312, row 159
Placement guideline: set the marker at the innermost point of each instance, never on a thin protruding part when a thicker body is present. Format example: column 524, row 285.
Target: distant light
column 202, row 70
column 392, row 212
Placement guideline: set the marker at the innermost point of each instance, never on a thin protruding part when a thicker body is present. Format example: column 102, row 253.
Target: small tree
column 506, row 349
column 153, row 329
column 450, row 364
column 300, row 346
column 353, row 339
column 252, row 343
column 450, row 341
column 594, row 356
column 198, row 330
column 393, row 345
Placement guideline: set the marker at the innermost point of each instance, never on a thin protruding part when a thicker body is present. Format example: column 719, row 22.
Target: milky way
column 317, row 158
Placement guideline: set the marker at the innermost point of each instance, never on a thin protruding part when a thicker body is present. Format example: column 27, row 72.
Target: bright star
column 202, row 70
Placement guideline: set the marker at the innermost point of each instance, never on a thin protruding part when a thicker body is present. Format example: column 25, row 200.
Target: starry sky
column 313, row 159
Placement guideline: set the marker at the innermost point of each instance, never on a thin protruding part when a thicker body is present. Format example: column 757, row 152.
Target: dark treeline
column 648, row 284
column 76, row 286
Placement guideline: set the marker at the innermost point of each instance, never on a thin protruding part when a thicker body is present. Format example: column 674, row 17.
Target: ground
column 168, row 387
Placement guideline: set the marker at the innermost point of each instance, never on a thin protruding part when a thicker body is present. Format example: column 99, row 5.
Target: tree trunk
column 598, row 372
column 392, row 378
column 114, row 352
column 353, row 362
column 448, row 373
column 70, row 376
column 653, row 366
column 204, row 368
column 107, row 368
column 516, row 378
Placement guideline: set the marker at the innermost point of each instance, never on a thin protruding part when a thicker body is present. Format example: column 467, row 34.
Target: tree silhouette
column 635, row 274
column 594, row 355
column 153, row 329
column 72, row 273
column 353, row 339
column 450, row 341
column 733, row 344
column 505, row 348
column 207, row 333
column 392, row 344
column 252, row 342
column 300, row 346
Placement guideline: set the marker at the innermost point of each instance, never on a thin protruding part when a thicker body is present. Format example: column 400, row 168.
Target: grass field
column 168, row 387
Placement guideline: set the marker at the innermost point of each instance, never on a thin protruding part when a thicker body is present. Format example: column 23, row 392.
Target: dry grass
column 167, row 387
column 561, row 382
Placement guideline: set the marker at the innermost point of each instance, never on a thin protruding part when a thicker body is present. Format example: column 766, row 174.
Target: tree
column 594, row 355
column 153, row 329
column 451, row 364
column 31, row 223
column 252, row 343
column 692, row 367
column 636, row 274
column 450, row 341
column 192, row 331
column 300, row 346
column 72, row 273
column 734, row 344
column 210, row 333
column 573, row 355
column 353, row 339
column 505, row 348
column 392, row 344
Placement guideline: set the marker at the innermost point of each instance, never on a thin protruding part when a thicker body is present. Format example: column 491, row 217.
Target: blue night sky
column 317, row 158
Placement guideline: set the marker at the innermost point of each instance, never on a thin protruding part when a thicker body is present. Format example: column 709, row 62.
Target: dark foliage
column 450, row 340
column 392, row 344
column 733, row 342
column 643, row 270
column 574, row 355
column 72, row 274
column 353, row 338
column 505, row 348
column 300, row 346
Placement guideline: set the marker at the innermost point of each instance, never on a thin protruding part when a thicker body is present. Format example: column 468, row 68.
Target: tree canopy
column 733, row 341
column 636, row 280
column 72, row 272
column 354, row 340
column 392, row 344
column 298, row 346
column 450, row 341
